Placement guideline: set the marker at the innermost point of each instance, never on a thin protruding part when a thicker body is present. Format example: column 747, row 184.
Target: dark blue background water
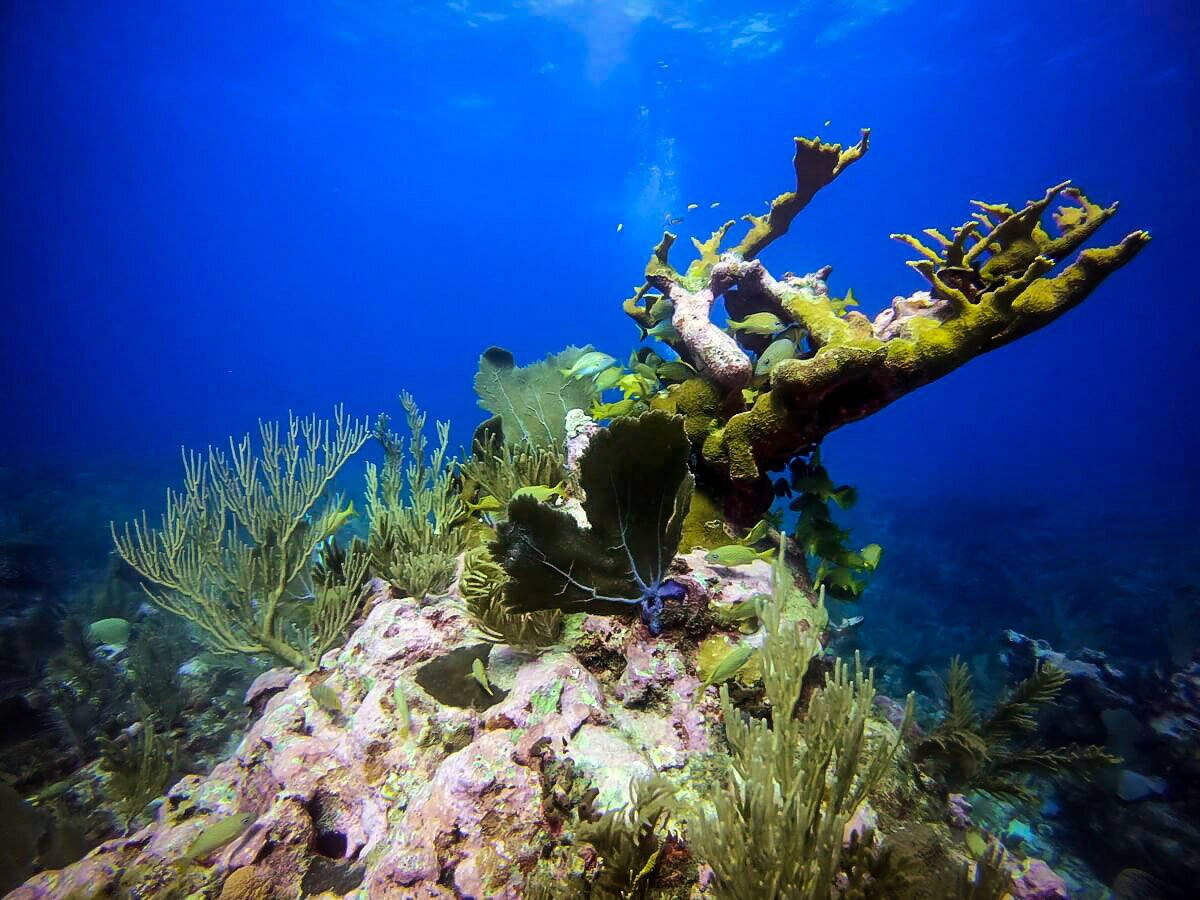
column 218, row 211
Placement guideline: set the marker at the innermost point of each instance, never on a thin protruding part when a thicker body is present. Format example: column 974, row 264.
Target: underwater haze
column 216, row 213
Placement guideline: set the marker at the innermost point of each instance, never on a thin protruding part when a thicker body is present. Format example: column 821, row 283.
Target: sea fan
column 638, row 487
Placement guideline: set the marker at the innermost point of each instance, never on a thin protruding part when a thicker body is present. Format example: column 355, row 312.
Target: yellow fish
column 342, row 516
column 675, row 370
column 479, row 673
column 620, row 225
column 760, row 323
column 662, row 308
column 114, row 631
column 729, row 666
column 736, row 555
column 742, row 611
column 692, row 206
column 612, row 410
column 757, row 533
column 633, row 385
column 608, row 378
column 871, row 554
column 327, row 698
column 217, row 835
column 402, row 710
column 486, row 504
column 541, row 492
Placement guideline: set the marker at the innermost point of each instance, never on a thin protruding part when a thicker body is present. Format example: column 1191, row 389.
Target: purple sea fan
column 638, row 488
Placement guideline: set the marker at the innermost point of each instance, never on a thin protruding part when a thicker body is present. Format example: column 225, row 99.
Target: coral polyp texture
column 998, row 277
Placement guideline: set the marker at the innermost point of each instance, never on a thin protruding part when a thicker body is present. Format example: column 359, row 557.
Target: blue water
column 215, row 212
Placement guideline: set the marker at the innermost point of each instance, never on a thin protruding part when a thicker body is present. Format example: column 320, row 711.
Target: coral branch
column 816, row 165
column 692, row 294
column 991, row 281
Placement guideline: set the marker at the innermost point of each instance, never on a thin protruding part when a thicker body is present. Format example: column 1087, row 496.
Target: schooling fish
column 541, row 492
column 737, row 555
column 692, row 206
column 763, row 324
column 632, row 385
column 714, row 205
column 675, row 370
column 663, row 331
column 674, row 220
column 620, row 225
column 776, row 352
column 608, row 378
column 487, row 504
column 757, row 533
column 612, row 410
column 591, row 363
column 662, row 308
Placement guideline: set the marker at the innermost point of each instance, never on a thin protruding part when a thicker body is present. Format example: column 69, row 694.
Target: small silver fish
column 847, row 624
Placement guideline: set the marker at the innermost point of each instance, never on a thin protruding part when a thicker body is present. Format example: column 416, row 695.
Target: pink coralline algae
column 454, row 802
column 1034, row 880
column 453, row 808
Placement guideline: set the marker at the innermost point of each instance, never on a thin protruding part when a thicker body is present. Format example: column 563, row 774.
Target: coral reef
column 990, row 284
column 234, row 590
column 413, row 506
column 533, row 401
column 992, row 754
column 637, row 488
column 359, row 779
column 542, row 696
